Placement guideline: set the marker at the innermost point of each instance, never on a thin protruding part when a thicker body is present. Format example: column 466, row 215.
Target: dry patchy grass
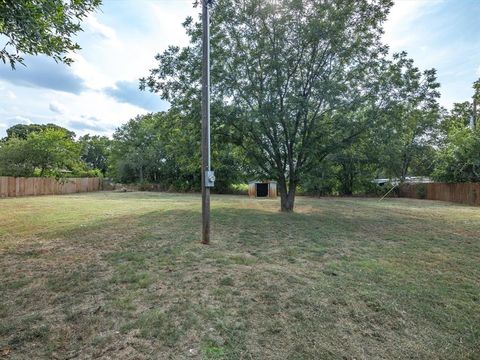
column 123, row 276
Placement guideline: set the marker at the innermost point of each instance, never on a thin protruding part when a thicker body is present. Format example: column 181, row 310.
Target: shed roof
column 261, row 181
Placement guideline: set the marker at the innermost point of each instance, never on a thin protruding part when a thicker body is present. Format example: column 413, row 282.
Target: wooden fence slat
column 18, row 186
column 12, row 187
column 464, row 193
column 3, row 186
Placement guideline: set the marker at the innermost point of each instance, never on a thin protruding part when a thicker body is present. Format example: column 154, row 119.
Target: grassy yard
column 123, row 276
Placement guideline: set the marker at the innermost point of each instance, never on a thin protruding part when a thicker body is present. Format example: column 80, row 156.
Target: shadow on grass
column 271, row 285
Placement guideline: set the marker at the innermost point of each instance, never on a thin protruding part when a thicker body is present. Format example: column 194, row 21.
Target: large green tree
column 50, row 152
column 413, row 119
column 15, row 158
column 164, row 148
column 22, row 131
column 41, row 27
column 402, row 141
column 458, row 159
column 300, row 78
column 350, row 169
column 95, row 151
column 137, row 150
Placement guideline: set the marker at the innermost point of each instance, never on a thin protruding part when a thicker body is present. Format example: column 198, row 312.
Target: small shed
column 267, row 189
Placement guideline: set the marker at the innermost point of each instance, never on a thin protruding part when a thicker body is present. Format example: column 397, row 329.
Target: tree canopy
column 300, row 78
column 41, row 27
column 164, row 148
column 50, row 151
column 95, row 151
column 303, row 92
column 46, row 150
column 22, row 131
column 458, row 157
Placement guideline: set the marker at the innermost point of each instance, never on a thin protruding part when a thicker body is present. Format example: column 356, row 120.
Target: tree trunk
column 346, row 180
column 350, row 183
column 405, row 165
column 287, row 196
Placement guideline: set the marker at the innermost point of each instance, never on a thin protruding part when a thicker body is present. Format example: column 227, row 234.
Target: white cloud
column 13, row 120
column 57, row 107
column 103, row 30
column 436, row 35
column 21, row 119
column 403, row 14
column 94, row 77
column 94, row 112
column 11, row 95
column 128, row 50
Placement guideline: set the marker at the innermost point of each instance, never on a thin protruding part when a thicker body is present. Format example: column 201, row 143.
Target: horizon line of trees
column 308, row 91
column 52, row 151
column 164, row 148
column 303, row 92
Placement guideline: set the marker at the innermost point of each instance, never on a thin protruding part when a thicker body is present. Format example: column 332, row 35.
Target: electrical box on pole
column 209, row 179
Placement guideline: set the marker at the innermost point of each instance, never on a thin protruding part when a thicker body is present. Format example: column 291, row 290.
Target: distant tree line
column 303, row 92
column 310, row 93
column 51, row 150
column 164, row 148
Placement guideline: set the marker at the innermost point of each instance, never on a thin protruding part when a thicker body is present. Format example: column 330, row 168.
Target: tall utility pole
column 208, row 177
column 474, row 115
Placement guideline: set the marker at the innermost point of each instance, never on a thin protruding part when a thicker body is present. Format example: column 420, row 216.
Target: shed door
column 262, row 189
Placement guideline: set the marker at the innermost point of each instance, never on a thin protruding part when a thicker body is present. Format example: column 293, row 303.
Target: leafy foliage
column 300, row 78
column 22, row 131
column 41, row 27
column 164, row 148
column 303, row 92
column 95, row 151
column 15, row 158
column 48, row 152
column 458, row 159
column 413, row 119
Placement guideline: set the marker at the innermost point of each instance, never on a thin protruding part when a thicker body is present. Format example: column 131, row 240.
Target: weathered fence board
column 464, row 193
column 12, row 186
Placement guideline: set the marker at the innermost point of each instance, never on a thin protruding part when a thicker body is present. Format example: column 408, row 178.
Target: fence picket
column 464, row 193
column 13, row 187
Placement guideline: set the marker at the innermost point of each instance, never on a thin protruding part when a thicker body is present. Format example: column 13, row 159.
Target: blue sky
column 99, row 92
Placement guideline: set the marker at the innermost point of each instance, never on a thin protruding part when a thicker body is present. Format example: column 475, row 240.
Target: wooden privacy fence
column 465, row 193
column 20, row 186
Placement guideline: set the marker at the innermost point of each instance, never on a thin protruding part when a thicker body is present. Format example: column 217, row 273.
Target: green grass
column 124, row 276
